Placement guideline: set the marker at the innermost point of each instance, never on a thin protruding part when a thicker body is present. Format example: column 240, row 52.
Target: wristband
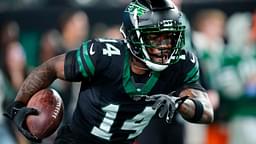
column 199, row 109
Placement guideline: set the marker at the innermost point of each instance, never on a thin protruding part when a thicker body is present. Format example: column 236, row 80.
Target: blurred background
column 221, row 32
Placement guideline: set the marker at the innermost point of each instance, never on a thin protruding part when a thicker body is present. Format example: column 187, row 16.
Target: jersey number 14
column 137, row 123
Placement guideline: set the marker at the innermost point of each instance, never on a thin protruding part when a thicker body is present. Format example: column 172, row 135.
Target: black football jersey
column 111, row 107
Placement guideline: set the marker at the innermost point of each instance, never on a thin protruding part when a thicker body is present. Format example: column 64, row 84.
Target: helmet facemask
column 156, row 45
column 154, row 37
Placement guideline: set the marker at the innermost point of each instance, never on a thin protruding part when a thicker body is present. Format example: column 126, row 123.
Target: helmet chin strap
column 149, row 64
column 154, row 66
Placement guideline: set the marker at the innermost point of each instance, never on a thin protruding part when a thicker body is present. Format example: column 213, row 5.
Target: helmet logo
column 141, row 9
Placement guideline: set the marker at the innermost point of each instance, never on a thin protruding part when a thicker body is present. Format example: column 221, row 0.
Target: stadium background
column 35, row 17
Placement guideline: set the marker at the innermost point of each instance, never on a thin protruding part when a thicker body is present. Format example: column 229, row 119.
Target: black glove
column 166, row 105
column 18, row 113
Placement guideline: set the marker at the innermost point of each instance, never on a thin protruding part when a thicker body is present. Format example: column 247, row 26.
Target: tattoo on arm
column 38, row 79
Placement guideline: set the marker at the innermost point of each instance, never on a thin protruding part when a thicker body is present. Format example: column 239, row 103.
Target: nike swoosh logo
column 193, row 59
column 92, row 52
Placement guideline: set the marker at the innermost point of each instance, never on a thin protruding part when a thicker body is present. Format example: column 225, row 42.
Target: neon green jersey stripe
column 129, row 86
column 87, row 58
column 127, row 83
column 150, row 83
column 80, row 63
column 193, row 74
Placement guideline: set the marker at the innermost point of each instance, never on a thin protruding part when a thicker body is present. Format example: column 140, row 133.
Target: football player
column 124, row 82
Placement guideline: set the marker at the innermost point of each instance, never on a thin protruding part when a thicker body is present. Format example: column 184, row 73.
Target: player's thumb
column 31, row 111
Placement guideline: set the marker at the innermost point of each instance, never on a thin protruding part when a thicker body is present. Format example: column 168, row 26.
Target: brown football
column 50, row 107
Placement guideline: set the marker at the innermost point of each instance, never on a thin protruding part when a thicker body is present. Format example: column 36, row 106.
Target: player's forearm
column 40, row 78
column 188, row 108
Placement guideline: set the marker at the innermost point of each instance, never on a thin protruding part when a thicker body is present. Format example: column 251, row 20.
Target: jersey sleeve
column 191, row 72
column 71, row 68
column 84, row 62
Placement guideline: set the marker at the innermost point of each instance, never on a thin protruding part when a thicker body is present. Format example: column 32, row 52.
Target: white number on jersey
column 137, row 123
column 111, row 50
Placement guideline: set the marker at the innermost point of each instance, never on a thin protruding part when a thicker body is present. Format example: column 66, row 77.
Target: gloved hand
column 166, row 105
column 18, row 113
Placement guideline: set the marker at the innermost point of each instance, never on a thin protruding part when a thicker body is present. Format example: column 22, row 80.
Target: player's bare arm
column 38, row 79
column 188, row 108
column 41, row 77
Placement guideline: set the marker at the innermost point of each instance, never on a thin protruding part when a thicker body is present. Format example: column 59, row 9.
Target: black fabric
column 65, row 136
column 71, row 68
column 159, row 132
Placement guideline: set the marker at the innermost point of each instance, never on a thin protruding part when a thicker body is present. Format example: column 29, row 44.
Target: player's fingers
column 152, row 98
column 172, row 106
column 157, row 104
column 31, row 111
column 29, row 136
column 7, row 115
column 170, row 113
column 148, row 98
column 163, row 110
column 169, row 116
column 180, row 101
column 21, row 114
